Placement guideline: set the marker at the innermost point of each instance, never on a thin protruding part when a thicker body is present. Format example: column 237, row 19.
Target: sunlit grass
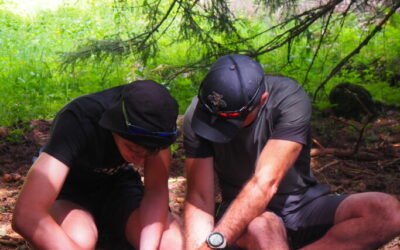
column 33, row 33
column 31, row 7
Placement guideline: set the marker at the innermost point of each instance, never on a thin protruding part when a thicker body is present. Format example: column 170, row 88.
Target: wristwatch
column 216, row 240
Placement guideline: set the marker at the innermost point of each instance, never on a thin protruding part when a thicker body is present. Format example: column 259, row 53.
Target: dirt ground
column 375, row 167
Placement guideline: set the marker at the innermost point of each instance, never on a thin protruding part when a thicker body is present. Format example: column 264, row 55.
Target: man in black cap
column 83, row 182
column 253, row 131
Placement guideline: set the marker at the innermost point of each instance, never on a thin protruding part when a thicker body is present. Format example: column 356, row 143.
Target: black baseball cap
column 145, row 114
column 231, row 89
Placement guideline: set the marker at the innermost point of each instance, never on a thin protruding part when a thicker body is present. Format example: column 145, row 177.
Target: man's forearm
column 200, row 203
column 153, row 216
column 249, row 204
column 198, row 225
column 272, row 165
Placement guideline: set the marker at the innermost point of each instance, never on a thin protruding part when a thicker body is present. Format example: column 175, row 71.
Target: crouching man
column 82, row 184
column 253, row 131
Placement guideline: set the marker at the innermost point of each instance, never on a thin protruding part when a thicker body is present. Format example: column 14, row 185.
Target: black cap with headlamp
column 228, row 93
column 145, row 114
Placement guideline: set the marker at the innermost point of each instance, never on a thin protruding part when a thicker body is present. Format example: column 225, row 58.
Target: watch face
column 216, row 240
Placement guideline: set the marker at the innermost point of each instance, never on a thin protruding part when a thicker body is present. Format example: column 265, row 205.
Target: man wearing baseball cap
column 253, row 131
column 83, row 184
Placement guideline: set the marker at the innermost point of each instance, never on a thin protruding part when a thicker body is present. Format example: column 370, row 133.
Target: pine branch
column 321, row 39
column 205, row 24
column 290, row 34
column 357, row 50
column 157, row 26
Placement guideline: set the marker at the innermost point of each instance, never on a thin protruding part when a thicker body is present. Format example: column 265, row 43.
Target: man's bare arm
column 275, row 159
column 154, row 206
column 199, row 206
column 31, row 216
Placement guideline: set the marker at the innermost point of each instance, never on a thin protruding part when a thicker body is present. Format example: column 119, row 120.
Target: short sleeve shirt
column 80, row 142
column 285, row 116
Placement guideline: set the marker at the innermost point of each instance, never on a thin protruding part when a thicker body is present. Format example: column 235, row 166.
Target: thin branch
column 361, row 134
column 155, row 28
column 321, row 39
column 356, row 50
column 296, row 30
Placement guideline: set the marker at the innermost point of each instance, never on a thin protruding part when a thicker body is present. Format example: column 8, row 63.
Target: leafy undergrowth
column 375, row 166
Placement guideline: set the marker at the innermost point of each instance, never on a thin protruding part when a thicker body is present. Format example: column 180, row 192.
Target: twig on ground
column 314, row 140
column 327, row 165
column 353, row 168
column 388, row 163
column 348, row 153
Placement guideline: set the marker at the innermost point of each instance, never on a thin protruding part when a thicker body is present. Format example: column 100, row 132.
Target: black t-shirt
column 285, row 116
column 80, row 142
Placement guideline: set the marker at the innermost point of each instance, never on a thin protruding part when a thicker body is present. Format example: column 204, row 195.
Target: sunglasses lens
column 141, row 131
column 137, row 130
column 231, row 115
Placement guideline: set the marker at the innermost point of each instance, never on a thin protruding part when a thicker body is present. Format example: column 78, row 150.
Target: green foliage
column 16, row 135
column 35, row 84
column 32, row 83
column 174, row 147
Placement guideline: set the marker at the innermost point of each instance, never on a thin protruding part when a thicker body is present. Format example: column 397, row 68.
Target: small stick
column 317, row 143
column 327, row 165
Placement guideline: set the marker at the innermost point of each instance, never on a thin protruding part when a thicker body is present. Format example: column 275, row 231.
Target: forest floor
column 375, row 167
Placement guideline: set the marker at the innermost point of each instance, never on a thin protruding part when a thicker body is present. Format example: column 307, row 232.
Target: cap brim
column 213, row 128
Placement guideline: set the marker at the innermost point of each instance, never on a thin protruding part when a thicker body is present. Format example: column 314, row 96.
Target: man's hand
column 204, row 246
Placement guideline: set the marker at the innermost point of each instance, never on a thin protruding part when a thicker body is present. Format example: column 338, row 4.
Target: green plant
column 174, row 147
column 16, row 135
column 33, row 83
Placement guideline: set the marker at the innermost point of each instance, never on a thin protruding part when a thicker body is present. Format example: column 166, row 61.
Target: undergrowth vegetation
column 34, row 83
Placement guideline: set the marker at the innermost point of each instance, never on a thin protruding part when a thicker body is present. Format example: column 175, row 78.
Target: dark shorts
column 307, row 223
column 110, row 199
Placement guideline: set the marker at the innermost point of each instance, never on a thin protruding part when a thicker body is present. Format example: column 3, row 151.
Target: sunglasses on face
column 142, row 131
column 242, row 112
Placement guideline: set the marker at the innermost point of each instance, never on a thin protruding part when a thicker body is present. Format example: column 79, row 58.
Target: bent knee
column 172, row 237
column 76, row 222
column 84, row 239
column 390, row 211
column 268, row 222
column 171, row 242
column 373, row 205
